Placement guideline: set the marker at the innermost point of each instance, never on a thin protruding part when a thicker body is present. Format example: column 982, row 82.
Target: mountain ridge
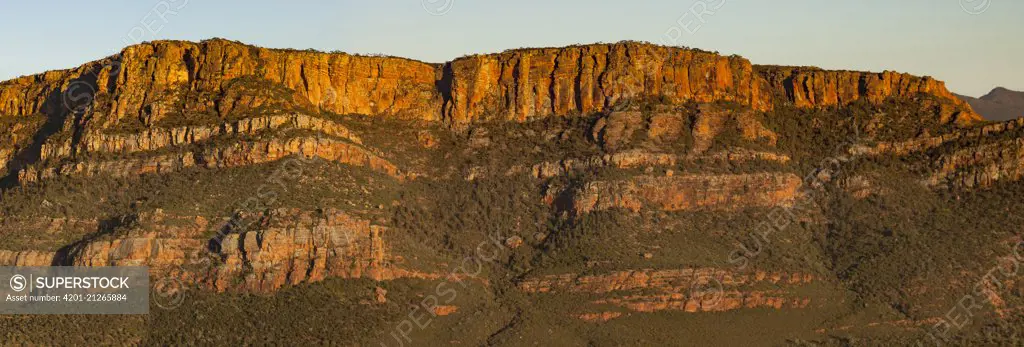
column 628, row 83
column 999, row 104
column 611, row 194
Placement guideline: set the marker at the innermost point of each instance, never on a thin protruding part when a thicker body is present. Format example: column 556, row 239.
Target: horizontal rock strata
column 684, row 290
column 231, row 155
column 690, row 192
column 284, row 247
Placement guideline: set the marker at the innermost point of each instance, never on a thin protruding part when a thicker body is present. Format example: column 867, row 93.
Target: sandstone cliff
column 152, row 80
column 530, row 83
column 812, row 87
column 142, row 79
column 168, row 93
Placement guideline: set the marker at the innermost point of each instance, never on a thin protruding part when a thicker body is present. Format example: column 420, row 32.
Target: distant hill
column 999, row 104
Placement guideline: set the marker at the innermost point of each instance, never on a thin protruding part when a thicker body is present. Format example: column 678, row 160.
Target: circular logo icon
column 709, row 293
column 168, row 293
column 438, row 7
column 78, row 97
column 18, row 283
column 975, row 6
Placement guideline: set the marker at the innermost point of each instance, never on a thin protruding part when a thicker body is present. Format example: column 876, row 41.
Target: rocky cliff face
column 531, row 83
column 980, row 166
column 152, row 139
column 811, row 87
column 168, row 93
column 284, row 247
column 232, row 155
column 153, row 80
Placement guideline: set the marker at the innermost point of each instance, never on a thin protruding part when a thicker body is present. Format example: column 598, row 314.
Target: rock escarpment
column 169, row 93
column 531, row 83
column 283, row 247
column 812, row 87
column 154, row 80
column 144, row 80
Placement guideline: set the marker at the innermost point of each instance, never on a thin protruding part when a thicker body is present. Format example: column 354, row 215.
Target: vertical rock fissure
column 578, row 89
column 444, row 87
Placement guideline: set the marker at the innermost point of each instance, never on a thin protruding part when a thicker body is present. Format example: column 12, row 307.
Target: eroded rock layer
column 688, row 193
column 277, row 248
column 226, row 156
column 684, row 290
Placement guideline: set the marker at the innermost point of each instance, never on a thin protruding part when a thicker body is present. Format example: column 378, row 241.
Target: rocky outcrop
column 707, row 301
column 710, row 122
column 154, row 80
column 924, row 143
column 980, row 166
column 621, row 160
column 336, row 245
column 230, row 155
column 530, row 83
column 687, row 193
column 166, row 93
column 623, row 129
column 812, row 87
column 162, row 241
column 637, row 158
column 686, row 290
column 40, row 93
column 340, row 83
column 153, row 139
column 665, row 280
column 154, row 239
column 27, row 258
column 271, row 250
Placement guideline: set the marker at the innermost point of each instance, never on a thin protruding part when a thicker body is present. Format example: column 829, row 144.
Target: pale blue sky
column 973, row 53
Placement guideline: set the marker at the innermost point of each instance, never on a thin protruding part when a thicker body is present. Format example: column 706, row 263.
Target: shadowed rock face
column 141, row 79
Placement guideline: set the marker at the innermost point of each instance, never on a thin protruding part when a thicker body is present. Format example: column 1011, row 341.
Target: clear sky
column 941, row 38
